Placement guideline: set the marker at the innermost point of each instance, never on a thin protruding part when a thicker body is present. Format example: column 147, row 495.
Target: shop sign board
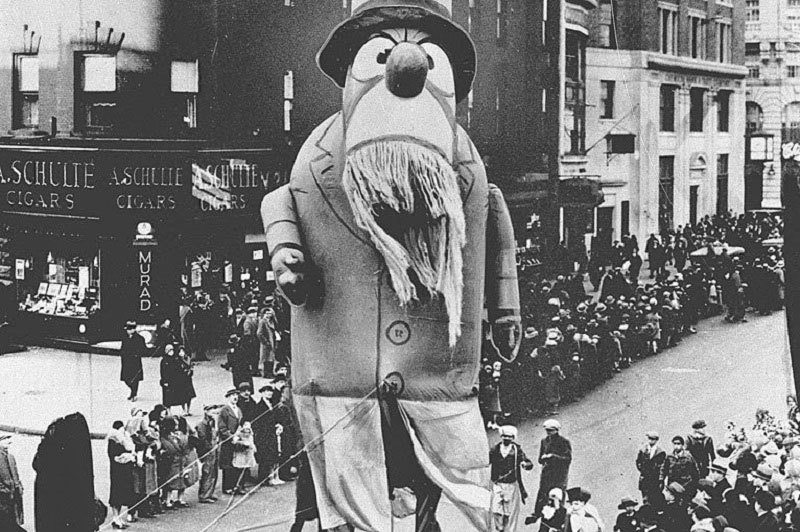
column 19, row 271
column 162, row 185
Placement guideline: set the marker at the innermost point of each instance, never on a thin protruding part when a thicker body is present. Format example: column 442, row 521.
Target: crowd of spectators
column 576, row 337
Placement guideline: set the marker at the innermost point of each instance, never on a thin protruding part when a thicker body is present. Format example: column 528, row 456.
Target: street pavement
column 722, row 373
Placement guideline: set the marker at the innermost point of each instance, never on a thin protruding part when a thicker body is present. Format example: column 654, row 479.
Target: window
column 288, row 99
column 723, row 110
column 666, row 183
column 792, row 71
column 605, row 38
column 753, row 72
column 724, row 42
column 722, row 183
column 667, row 108
column 96, row 96
column 606, row 99
column 668, row 29
column 625, row 217
column 753, row 13
column 697, row 109
column 793, row 3
column 697, row 26
column 752, row 50
column 754, row 117
column 185, row 84
column 25, row 106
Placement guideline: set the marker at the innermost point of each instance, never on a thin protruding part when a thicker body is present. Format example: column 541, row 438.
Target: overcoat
column 555, row 470
column 227, row 422
column 131, row 352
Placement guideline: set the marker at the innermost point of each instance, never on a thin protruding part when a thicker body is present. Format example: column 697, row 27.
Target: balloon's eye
column 431, row 64
column 371, row 59
column 383, row 56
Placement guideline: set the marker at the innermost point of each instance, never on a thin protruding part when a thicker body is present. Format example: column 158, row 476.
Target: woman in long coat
column 172, row 380
column 131, row 351
column 122, row 460
column 186, row 387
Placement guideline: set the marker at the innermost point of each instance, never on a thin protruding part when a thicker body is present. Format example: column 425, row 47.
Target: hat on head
column 699, row 424
column 252, row 309
column 770, row 448
column 675, row 488
column 676, row 439
column 267, row 387
column 627, row 502
column 551, row 424
column 232, row 339
column 530, row 333
column 578, row 494
column 718, row 467
column 369, row 16
column 130, row 324
column 245, row 387
column 231, row 392
column 652, row 435
column 764, row 472
column 208, row 408
column 508, row 430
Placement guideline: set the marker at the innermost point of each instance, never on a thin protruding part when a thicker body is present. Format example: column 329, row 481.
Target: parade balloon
column 392, row 247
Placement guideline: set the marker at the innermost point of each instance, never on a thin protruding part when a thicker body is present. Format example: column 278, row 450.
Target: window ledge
column 28, row 132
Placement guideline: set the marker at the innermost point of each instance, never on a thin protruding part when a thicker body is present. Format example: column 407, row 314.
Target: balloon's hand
column 289, row 266
column 507, row 335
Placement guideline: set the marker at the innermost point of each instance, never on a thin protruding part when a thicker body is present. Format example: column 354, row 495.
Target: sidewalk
column 42, row 384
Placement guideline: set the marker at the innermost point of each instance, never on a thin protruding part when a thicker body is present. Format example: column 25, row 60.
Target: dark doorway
column 753, row 185
column 605, row 225
column 693, row 192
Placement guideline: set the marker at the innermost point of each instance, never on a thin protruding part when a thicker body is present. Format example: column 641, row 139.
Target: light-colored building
column 665, row 116
column 772, row 56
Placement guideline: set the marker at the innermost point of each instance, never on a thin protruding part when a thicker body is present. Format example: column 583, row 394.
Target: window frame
column 607, row 93
column 663, row 109
column 19, row 97
column 696, row 124
column 87, row 101
column 723, row 111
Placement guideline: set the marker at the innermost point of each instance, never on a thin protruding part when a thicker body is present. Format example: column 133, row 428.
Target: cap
column 530, row 333
column 245, row 386
column 718, row 467
column 231, row 392
column 699, row 424
column 268, row 387
column 627, row 502
column 130, row 324
column 652, row 435
column 508, row 430
column 551, row 424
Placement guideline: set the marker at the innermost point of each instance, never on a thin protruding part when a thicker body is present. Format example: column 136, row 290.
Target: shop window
column 185, row 84
column 606, row 99
column 61, row 281
column 26, row 91
column 667, row 108
column 722, row 183
column 723, row 110
column 697, row 109
column 96, row 100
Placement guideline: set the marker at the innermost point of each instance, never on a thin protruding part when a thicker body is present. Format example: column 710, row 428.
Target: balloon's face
column 401, row 85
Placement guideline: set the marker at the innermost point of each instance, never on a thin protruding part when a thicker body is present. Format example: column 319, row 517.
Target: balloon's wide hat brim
column 338, row 52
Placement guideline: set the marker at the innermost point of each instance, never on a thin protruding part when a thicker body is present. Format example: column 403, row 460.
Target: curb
column 38, row 432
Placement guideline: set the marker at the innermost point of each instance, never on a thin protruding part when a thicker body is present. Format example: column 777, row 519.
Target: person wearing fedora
column 131, row 351
column 649, row 460
column 717, row 474
column 627, row 520
column 648, row 519
column 374, row 189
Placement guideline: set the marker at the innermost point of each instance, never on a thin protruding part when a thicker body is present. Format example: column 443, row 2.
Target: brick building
column 665, row 93
column 772, row 57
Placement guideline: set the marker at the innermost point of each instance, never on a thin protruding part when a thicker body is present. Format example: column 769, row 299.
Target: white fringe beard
column 411, row 179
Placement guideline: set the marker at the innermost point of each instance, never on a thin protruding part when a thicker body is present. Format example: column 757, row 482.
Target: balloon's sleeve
column 281, row 225
column 502, row 287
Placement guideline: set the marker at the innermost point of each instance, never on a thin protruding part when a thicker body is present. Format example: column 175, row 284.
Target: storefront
column 97, row 235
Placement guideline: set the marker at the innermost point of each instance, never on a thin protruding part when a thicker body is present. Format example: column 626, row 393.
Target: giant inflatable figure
column 389, row 243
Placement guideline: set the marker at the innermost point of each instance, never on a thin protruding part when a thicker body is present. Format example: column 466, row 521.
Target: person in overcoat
column 266, row 340
column 122, row 460
column 555, row 457
column 11, row 512
column 208, row 452
column 171, row 378
column 648, row 462
column 185, row 375
column 131, row 352
column 239, row 361
column 230, row 417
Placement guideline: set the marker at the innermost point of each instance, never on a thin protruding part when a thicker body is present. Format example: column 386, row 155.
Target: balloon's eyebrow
column 383, row 34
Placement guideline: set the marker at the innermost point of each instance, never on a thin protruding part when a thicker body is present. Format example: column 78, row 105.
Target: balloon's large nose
column 406, row 70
